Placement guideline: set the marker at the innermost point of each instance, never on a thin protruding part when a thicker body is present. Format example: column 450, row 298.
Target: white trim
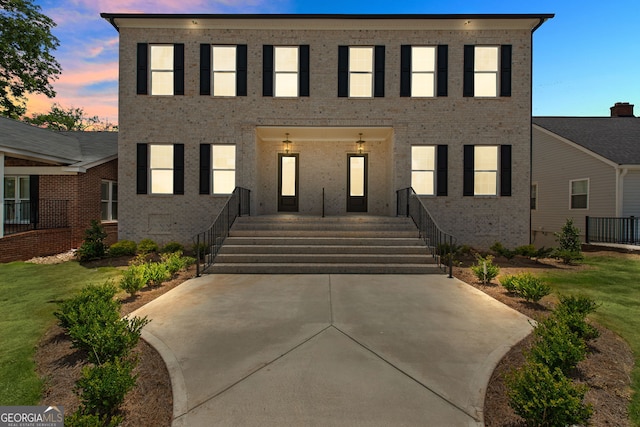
column 571, row 181
column 577, row 146
column 2, row 172
column 39, row 170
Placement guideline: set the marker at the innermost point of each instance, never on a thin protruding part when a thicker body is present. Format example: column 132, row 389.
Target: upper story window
column 487, row 170
column 579, row 193
column 109, row 200
column 423, row 71
column 423, row 165
column 361, row 71
column 160, row 66
column 160, row 168
column 223, row 70
column 285, row 71
column 487, row 71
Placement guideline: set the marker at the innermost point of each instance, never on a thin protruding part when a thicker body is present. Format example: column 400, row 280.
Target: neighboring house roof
column 77, row 149
column 614, row 138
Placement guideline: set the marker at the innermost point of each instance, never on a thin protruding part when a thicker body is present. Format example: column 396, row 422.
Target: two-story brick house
column 330, row 113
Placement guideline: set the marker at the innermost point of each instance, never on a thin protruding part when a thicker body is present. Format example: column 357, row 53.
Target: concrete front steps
column 292, row 244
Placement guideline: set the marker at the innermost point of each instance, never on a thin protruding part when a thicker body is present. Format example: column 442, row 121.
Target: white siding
column 631, row 194
column 555, row 164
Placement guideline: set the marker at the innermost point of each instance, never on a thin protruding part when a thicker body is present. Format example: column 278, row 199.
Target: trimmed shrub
column 528, row 251
column 545, row 397
column 172, row 247
column 543, row 252
column 147, row 246
column 484, row 269
column 531, row 288
column 82, row 419
column 133, row 279
column 122, row 248
column 500, row 250
column 176, row 262
column 577, row 304
column 93, row 246
column 102, row 388
column 92, row 301
column 509, row 283
column 155, row 273
column 556, row 345
column 573, row 311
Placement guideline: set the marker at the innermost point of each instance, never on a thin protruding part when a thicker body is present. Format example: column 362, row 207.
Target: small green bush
column 556, row 346
column 573, row 311
column 543, row 252
column 500, row 250
column 484, row 269
column 82, row 419
column 567, row 257
column 509, row 283
column 172, row 247
column 528, row 251
column 102, row 388
column 147, row 246
column 176, row 262
column 156, row 272
column 122, row 248
column 569, row 246
column 133, row 279
column 580, row 304
column 93, row 246
column 531, row 288
column 92, row 301
column 545, row 397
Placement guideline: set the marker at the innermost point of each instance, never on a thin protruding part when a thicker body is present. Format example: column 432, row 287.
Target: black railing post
column 586, row 230
column 450, row 257
column 632, row 226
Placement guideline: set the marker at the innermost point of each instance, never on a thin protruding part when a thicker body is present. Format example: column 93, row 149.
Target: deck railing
column 35, row 215
column 438, row 242
column 624, row 231
column 209, row 242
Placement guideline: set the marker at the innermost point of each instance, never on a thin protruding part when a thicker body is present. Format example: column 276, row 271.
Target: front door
column 357, row 183
column 287, row 183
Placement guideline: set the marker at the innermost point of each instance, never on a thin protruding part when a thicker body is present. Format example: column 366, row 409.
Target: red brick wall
column 82, row 192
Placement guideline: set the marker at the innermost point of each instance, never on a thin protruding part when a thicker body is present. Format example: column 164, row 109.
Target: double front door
column 289, row 188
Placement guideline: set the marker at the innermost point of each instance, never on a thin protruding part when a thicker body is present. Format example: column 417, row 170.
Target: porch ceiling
column 304, row 133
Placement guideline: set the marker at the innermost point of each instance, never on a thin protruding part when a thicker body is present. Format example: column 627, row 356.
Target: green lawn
column 613, row 281
column 28, row 297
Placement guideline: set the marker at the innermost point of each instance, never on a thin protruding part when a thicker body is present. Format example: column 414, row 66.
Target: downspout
column 1, row 195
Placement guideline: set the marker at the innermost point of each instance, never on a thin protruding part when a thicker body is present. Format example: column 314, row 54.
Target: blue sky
column 585, row 59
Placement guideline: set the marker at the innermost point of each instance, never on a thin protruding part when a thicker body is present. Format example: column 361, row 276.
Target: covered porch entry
column 324, row 170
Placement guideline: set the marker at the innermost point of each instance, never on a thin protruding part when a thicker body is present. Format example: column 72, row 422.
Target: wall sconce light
column 360, row 144
column 287, row 144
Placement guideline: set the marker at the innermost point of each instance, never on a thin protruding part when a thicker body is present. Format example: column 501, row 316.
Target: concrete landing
column 330, row 350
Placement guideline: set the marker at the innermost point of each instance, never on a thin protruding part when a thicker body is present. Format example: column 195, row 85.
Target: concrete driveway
column 330, row 350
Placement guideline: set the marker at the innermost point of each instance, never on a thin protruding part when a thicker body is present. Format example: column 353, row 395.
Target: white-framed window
column 223, row 165
column 109, row 200
column 161, row 69
column 534, row 196
column 423, row 69
column 423, row 161
column 579, row 190
column 224, row 70
column 485, row 170
column 16, row 199
column 361, row 72
column 286, row 71
column 485, row 68
column 161, row 169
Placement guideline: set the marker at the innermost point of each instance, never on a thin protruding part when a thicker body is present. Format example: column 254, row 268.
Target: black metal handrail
column 619, row 230
column 209, row 242
column 410, row 205
column 35, row 215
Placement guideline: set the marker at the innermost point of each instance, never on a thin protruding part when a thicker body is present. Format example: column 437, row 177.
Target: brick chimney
column 622, row 109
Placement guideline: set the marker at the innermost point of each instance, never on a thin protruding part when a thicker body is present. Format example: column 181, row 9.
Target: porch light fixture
column 360, row 144
column 286, row 143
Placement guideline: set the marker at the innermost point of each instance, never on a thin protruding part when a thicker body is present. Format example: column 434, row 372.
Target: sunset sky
column 585, row 59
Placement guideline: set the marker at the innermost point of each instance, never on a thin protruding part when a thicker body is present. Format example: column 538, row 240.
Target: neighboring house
column 584, row 166
column 325, row 113
column 53, row 185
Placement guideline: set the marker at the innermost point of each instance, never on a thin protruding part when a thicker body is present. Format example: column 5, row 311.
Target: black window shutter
column 505, row 170
column 142, row 77
column 468, row 170
column 405, row 70
column 343, row 71
column 205, row 69
column 442, row 159
column 241, row 70
column 469, row 54
column 178, row 168
column 304, row 70
column 178, row 69
column 205, row 168
column 442, row 70
column 378, row 78
column 34, row 198
column 505, row 70
column 141, row 169
column 267, row 70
